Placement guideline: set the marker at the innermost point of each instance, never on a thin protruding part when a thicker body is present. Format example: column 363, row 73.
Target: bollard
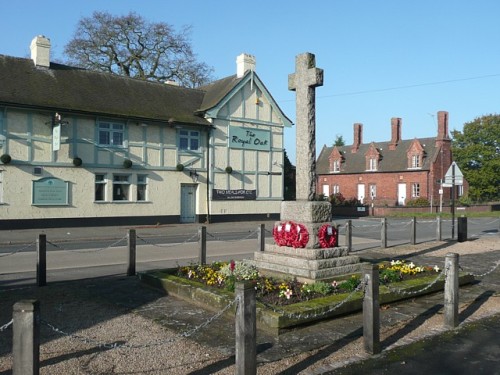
column 26, row 338
column 348, row 235
column 246, row 329
column 413, row 231
column 202, row 240
column 451, row 290
column 462, row 229
column 383, row 233
column 132, row 242
column 439, row 229
column 261, row 237
column 371, row 311
column 41, row 262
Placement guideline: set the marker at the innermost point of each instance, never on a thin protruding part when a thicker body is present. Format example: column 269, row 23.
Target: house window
column 100, row 187
column 111, row 134
column 415, row 190
column 121, row 187
column 415, row 161
column 373, row 191
column 189, row 140
column 336, row 189
column 336, row 166
column 372, row 164
column 1, row 188
column 142, row 184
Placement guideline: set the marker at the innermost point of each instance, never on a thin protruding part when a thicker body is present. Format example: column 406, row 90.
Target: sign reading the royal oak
column 249, row 139
column 238, row 194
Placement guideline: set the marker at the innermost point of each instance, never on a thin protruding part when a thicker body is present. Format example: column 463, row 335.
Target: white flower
column 411, row 265
column 436, row 268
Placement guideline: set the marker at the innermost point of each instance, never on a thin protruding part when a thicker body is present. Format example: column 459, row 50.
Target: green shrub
column 418, row 202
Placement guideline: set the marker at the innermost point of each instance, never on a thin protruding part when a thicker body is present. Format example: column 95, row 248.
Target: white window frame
column 372, row 164
column 189, row 136
column 102, row 182
column 121, row 181
column 415, row 161
column 373, row 191
column 1, row 187
column 142, row 185
column 115, row 132
column 415, row 190
column 335, row 189
column 336, row 166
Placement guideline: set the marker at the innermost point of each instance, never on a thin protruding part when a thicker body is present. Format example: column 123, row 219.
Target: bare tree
column 131, row 46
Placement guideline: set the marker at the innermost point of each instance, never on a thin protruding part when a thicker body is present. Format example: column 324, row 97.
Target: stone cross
column 304, row 81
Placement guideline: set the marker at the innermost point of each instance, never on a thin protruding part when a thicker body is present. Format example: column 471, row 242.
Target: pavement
column 473, row 347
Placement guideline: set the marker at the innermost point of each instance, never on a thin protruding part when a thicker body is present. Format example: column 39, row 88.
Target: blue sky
column 381, row 59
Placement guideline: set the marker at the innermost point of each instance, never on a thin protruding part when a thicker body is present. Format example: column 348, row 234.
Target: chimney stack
column 358, row 137
column 442, row 125
column 244, row 62
column 396, row 124
column 40, row 51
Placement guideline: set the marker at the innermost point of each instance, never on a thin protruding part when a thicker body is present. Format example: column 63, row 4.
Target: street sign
column 448, row 177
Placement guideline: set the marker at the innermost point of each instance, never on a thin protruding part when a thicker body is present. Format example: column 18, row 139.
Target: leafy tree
column 289, row 179
column 477, row 152
column 131, row 46
column 339, row 141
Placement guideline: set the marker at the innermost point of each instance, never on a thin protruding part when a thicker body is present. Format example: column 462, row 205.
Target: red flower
column 232, row 265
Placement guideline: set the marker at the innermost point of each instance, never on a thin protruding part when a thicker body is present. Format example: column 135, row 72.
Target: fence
column 26, row 320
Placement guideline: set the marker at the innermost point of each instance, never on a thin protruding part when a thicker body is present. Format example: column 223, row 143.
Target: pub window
column 142, row 184
column 111, row 134
column 121, row 187
column 100, row 187
column 189, row 140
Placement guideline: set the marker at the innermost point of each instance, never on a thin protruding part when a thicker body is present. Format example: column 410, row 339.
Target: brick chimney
column 442, row 125
column 358, row 137
column 244, row 62
column 40, row 51
column 396, row 124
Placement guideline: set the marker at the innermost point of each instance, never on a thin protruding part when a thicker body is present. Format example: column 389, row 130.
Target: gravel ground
column 95, row 326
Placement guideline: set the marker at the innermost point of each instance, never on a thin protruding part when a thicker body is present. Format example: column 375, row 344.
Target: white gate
column 188, row 203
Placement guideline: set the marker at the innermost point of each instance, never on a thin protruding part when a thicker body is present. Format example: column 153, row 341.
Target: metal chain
column 410, row 293
column 6, row 325
column 477, row 222
column 116, row 345
column 241, row 239
column 168, row 245
column 360, row 287
column 87, row 251
column 496, row 264
column 206, row 323
column 18, row 250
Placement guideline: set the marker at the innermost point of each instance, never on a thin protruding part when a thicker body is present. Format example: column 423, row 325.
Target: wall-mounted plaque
column 50, row 191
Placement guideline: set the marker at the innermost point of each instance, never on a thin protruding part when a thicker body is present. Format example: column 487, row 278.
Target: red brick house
column 388, row 173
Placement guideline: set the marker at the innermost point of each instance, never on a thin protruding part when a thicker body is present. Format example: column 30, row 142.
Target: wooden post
column 451, row 286
column 371, row 311
column 246, row 330
column 202, row 240
column 439, row 229
column 41, row 263
column 413, row 231
column 132, row 241
column 383, row 233
column 348, row 235
column 261, row 237
column 26, row 338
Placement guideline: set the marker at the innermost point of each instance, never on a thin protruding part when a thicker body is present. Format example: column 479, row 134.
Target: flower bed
column 287, row 303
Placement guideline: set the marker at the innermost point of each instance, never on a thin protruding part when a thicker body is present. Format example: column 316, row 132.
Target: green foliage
column 319, row 287
column 389, row 276
column 477, row 152
column 418, row 202
column 339, row 200
column 351, row 283
column 289, row 179
column 339, row 141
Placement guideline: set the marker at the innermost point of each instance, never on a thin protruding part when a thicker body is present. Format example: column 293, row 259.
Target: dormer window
column 372, row 158
column 415, row 161
column 335, row 160
column 372, row 165
column 336, row 166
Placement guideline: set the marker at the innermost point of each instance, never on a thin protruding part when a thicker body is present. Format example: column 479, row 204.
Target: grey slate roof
column 70, row 89
column 217, row 90
column 390, row 161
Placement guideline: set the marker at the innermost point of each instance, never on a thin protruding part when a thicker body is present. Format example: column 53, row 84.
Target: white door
column 326, row 190
column 361, row 193
column 401, row 194
column 188, row 203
